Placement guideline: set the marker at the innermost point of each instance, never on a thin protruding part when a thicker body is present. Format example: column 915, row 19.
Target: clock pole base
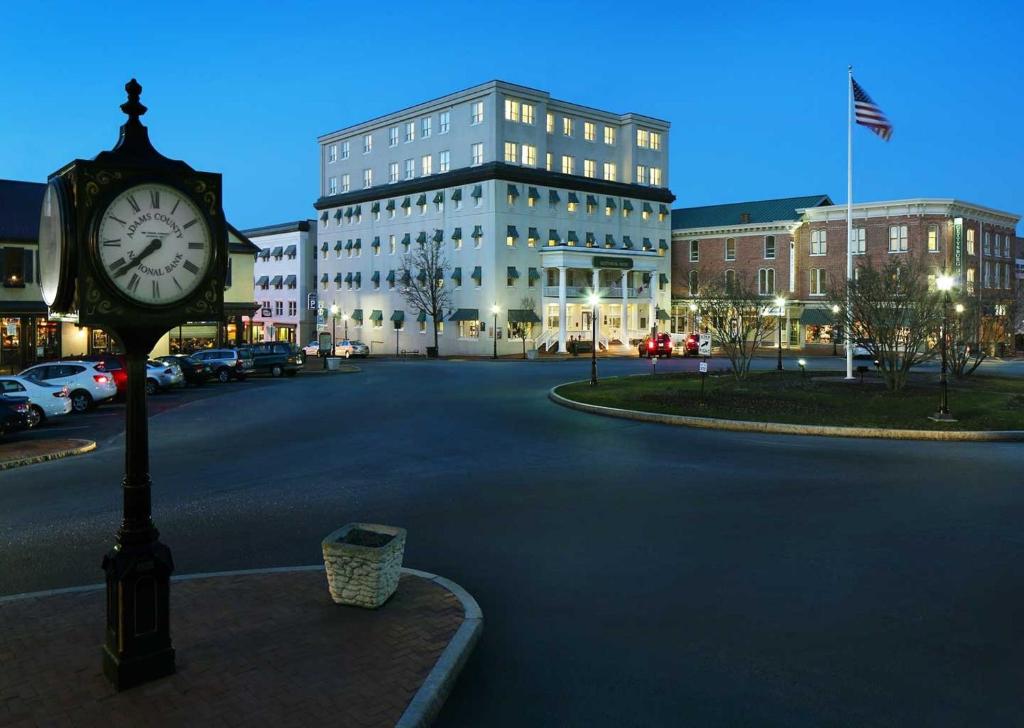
column 128, row 673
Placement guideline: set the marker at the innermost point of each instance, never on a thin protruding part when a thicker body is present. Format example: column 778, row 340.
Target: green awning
column 358, row 278
column 406, row 278
column 662, row 210
column 457, row 194
column 439, row 198
column 512, row 272
column 376, row 315
column 647, row 244
column 348, row 277
column 553, row 197
column 348, row 245
column 573, row 198
column 647, row 208
column 457, row 276
column 398, row 316
column 478, row 232
column 571, row 237
column 421, row 317
column 533, row 194
column 457, row 234
column 609, row 202
column 325, row 247
column 533, row 274
column 662, row 245
column 406, row 239
column 627, row 242
column 263, row 281
column 627, row 205
column 533, row 234
column 348, row 212
column 325, row 278
column 589, row 238
column 390, row 205
column 291, row 280
column 477, row 274
column 512, row 232
column 591, row 200
column 478, row 191
column 338, row 214
column 817, row 317
column 375, row 276
column 376, row 241
column 663, row 314
column 338, row 279
column 438, row 235
column 277, row 280
column 324, row 216
column 421, row 276
column 421, row 200
column 513, row 191
column 358, row 210
column 465, row 314
column 553, row 236
column 358, row 244
column 663, row 278
column 338, row 245
column 390, row 277
column 357, row 315
column 375, row 207
column 406, row 203
column 291, row 251
column 278, row 251
column 609, row 241
column 421, row 238
column 522, row 316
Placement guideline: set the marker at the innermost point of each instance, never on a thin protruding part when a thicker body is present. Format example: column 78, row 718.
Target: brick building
column 794, row 247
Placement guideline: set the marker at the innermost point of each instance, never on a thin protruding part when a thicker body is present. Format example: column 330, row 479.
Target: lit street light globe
column 835, row 308
column 944, row 282
column 334, row 309
column 780, row 301
column 959, row 308
column 592, row 299
column 495, row 310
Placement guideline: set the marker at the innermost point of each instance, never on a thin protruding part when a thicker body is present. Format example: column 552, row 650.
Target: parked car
column 194, row 371
column 161, row 376
column 116, row 365
column 227, row 364
column 656, row 345
column 13, row 414
column 88, row 382
column 350, row 347
column 860, row 349
column 45, row 400
column 275, row 357
column 691, row 345
column 312, row 348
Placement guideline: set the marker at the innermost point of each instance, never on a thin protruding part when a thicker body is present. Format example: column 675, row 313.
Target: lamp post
column 344, row 319
column 835, row 328
column 944, row 283
column 334, row 326
column 693, row 317
column 593, row 300
column 779, row 303
column 494, row 330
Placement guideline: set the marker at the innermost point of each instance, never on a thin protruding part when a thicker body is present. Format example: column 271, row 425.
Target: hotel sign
column 604, row 261
column 958, row 250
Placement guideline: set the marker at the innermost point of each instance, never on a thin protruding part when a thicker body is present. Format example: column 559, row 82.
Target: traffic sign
column 703, row 367
column 311, row 301
column 704, row 345
column 266, row 313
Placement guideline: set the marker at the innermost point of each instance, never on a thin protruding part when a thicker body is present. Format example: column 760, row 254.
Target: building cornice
column 498, row 171
column 736, row 231
column 284, row 227
column 920, row 206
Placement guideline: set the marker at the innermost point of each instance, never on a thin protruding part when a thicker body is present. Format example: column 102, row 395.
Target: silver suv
column 227, row 364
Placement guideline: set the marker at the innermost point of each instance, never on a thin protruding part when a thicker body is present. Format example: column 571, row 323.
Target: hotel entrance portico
column 627, row 283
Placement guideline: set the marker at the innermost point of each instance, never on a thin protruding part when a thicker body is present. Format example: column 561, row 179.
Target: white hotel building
column 534, row 199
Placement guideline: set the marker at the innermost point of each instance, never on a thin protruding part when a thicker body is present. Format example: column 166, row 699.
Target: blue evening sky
column 755, row 91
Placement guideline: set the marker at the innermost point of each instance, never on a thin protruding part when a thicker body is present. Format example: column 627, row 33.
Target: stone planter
column 333, row 363
column 363, row 562
column 531, row 354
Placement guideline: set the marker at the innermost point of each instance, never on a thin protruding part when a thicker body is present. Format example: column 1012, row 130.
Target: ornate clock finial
column 132, row 107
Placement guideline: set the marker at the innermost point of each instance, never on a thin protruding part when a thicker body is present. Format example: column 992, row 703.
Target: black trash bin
column 431, row 352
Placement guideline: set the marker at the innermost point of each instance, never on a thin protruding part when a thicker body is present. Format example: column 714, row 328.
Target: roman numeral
column 154, row 199
column 189, row 224
column 196, row 246
column 156, row 289
column 115, row 243
column 133, row 284
column 116, row 264
column 190, row 267
column 176, row 203
column 134, row 204
column 117, row 219
column 176, row 283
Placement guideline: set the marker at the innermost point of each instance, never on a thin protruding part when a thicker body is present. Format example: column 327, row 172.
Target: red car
column 691, row 345
column 657, row 345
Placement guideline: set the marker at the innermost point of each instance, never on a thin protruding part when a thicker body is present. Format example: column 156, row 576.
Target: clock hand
column 153, row 246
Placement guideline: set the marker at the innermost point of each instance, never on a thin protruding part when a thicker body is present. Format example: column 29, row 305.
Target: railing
column 609, row 294
column 549, row 339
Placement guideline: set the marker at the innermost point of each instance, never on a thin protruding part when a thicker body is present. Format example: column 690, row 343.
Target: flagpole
column 849, row 221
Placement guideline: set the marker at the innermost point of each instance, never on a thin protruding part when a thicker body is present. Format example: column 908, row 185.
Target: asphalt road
column 629, row 574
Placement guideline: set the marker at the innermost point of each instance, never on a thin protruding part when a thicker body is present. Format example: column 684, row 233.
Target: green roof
column 742, row 213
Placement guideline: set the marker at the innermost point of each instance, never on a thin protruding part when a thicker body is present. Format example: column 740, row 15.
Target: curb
column 86, row 446
column 342, row 369
column 780, row 428
column 427, row 702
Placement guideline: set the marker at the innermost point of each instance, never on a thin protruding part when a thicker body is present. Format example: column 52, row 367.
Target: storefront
column 820, row 327
column 26, row 336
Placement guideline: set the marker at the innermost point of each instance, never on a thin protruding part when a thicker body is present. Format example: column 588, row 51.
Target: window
column 591, row 205
column 344, row 150
column 589, row 168
column 641, row 174
column 857, row 242
column 609, row 135
column 511, row 110
column 970, row 280
column 344, row 183
column 817, row 281
column 293, row 308
column 410, row 131
column 393, row 136
column 393, row 172
column 528, row 113
column 692, row 281
column 548, row 161
column 367, row 178
column 478, row 153
column 970, row 241
column 643, row 138
column 510, row 236
column 278, row 308
column 332, row 153
column 511, row 152
column 469, row 329
column 694, row 251
column 477, row 112
column 332, row 186
column 589, row 131
column 426, row 165
column 986, row 244
column 730, row 280
column 391, row 244
column 730, row 248
column 17, row 266
column 426, row 124
column 444, row 161
column 999, row 244
column 444, row 121
column 655, row 176
column 933, row 238
column 609, row 171
column 566, row 126
column 655, row 140
column 550, row 123
column 510, row 278
column 769, row 247
column 897, row 238
column 568, row 164
column 986, row 277
column 572, row 204
column 410, row 168
column 367, row 143
column 819, row 242
column 766, row 281
column 529, row 155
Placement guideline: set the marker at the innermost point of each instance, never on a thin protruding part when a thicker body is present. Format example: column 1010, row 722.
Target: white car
column 162, row 375
column 88, row 382
column 45, row 400
column 312, row 348
column 349, row 348
column 860, row 350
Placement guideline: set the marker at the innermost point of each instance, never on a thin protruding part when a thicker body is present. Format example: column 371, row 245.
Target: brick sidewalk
column 27, row 452
column 252, row 649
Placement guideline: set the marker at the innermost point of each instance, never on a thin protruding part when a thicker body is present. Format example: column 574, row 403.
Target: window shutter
column 29, row 272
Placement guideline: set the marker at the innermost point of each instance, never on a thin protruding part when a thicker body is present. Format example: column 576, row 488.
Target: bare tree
column 978, row 324
column 894, row 312
column 737, row 317
column 523, row 328
column 424, row 290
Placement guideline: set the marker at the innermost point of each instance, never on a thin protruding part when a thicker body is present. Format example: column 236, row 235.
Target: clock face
column 154, row 244
column 52, row 243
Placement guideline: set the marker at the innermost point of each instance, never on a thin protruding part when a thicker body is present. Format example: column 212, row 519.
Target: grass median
column 978, row 403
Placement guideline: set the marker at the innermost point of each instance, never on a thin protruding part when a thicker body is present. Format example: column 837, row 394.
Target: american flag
column 868, row 113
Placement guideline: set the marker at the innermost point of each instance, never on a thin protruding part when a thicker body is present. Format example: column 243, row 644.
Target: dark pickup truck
column 275, row 357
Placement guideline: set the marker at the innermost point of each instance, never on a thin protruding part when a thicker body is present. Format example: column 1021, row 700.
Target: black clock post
column 137, row 268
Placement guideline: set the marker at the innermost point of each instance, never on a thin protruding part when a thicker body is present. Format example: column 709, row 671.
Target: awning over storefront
column 522, row 316
column 553, row 197
column 465, row 314
column 376, row 315
column 438, row 235
column 457, row 195
column 276, row 280
column 513, row 191
column 457, row 276
column 291, row 251
column 357, row 315
column 512, row 272
column 817, row 317
column 291, row 280
column 439, row 198
column 421, row 317
column 263, row 281
column 663, row 314
column 421, row 238
column 421, row 200
column 477, row 275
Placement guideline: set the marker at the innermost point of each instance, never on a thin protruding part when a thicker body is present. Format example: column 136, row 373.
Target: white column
column 561, row 309
column 595, row 284
column 654, row 298
column 625, row 308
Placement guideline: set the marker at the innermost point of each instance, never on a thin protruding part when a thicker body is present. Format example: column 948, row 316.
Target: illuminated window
column 589, row 131
column 529, row 155
column 970, row 241
column 444, row 161
column 641, row 174
column 609, row 135
column 478, row 153
column 511, row 110
column 609, row 171
column 643, row 138
column 511, row 152
column 528, row 113
column 551, row 123
column 730, row 248
column 655, row 176
column 655, row 140
column 933, row 238
column 566, row 126
column 426, row 165
column 548, row 161
column 568, row 164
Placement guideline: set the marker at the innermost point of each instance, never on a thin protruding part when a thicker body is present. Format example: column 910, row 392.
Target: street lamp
column 593, row 300
column 693, row 316
column 835, row 328
column 944, row 283
column 779, row 303
column 334, row 324
column 494, row 331
column 344, row 318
